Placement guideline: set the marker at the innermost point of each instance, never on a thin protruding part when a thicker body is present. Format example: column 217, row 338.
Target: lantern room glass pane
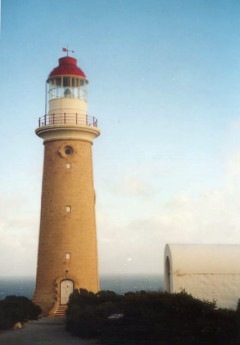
column 66, row 81
column 67, row 92
column 67, row 87
column 75, row 87
column 83, row 93
column 58, row 83
column 52, row 89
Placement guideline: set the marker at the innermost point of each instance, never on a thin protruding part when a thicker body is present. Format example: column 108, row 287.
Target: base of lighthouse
column 67, row 253
column 58, row 293
column 50, row 300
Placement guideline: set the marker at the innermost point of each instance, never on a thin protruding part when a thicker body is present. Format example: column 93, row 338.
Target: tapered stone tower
column 67, row 253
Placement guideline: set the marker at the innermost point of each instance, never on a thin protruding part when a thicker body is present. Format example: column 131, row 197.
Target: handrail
column 68, row 119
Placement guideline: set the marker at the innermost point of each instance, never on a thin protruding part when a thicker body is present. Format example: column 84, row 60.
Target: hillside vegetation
column 151, row 318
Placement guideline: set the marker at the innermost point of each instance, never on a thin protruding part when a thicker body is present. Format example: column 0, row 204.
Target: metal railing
column 68, row 119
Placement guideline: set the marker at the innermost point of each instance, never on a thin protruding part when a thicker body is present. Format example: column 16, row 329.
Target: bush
column 17, row 309
column 153, row 318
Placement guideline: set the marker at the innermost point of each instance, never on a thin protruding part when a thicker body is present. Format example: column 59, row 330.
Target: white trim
column 66, row 132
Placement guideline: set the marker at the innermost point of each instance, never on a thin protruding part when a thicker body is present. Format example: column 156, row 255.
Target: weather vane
column 67, row 50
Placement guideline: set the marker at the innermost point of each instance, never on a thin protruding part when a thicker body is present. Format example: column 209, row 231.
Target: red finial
column 67, row 50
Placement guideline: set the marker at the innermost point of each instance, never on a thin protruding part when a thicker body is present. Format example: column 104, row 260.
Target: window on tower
column 68, row 209
column 68, row 150
column 68, row 256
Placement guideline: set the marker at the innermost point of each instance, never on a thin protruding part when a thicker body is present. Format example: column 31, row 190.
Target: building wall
column 63, row 232
column 208, row 272
column 224, row 289
column 66, row 105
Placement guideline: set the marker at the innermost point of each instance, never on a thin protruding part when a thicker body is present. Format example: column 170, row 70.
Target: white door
column 66, row 290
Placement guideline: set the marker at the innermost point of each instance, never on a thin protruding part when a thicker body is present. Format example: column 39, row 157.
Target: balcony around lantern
column 67, row 119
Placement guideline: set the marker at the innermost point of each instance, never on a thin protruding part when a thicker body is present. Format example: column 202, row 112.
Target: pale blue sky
column 164, row 85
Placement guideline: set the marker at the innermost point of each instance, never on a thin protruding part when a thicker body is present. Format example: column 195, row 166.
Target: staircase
column 60, row 311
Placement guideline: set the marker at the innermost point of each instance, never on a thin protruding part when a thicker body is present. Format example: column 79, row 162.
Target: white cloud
column 133, row 245
column 18, row 238
column 130, row 184
column 212, row 217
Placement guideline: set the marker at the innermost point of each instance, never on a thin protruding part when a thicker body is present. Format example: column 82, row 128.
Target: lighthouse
column 67, row 251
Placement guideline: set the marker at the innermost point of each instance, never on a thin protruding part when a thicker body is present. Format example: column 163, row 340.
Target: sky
column 164, row 85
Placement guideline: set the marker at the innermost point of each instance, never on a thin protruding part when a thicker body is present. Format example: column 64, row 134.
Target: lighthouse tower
column 67, row 252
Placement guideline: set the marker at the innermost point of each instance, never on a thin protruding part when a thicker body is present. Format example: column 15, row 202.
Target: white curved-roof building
column 206, row 271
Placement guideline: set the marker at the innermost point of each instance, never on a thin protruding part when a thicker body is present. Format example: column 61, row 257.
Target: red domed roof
column 67, row 66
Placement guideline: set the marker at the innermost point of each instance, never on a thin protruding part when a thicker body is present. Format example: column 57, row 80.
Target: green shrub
column 153, row 318
column 17, row 309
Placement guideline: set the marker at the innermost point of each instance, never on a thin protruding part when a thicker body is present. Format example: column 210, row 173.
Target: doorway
column 168, row 275
column 66, row 290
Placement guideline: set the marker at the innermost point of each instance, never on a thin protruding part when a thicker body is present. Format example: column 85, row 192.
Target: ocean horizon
column 24, row 286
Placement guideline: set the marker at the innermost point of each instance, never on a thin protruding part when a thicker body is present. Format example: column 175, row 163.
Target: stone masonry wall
column 67, row 182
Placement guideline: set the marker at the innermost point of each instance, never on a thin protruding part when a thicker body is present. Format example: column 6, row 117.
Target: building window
column 68, row 256
column 68, row 209
column 68, row 150
column 68, row 165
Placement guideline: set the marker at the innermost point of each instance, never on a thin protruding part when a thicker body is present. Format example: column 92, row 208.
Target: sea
column 24, row 286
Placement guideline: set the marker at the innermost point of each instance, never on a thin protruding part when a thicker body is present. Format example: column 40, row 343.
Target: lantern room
column 66, row 89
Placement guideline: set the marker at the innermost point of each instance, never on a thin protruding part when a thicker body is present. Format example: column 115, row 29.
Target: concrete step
column 60, row 311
